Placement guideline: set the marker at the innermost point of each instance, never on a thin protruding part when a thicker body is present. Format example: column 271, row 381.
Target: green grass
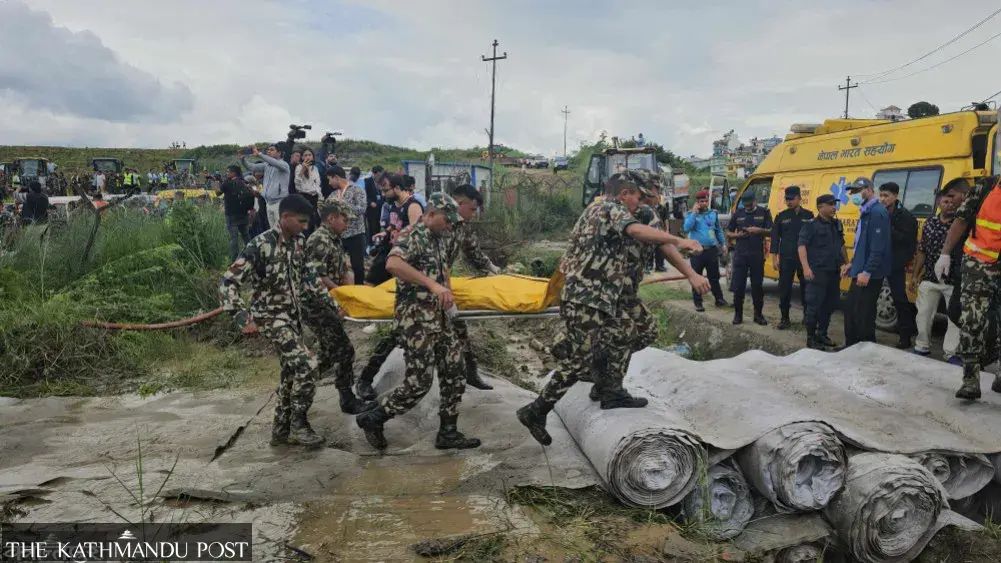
column 140, row 270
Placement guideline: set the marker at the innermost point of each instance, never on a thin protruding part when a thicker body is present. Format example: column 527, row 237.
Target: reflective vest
column 129, row 179
column 16, row 181
column 984, row 243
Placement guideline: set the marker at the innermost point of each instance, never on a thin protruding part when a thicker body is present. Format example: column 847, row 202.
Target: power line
column 879, row 75
column 992, row 96
column 991, row 38
column 861, row 93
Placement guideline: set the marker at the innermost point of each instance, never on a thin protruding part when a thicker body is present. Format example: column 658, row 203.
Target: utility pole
column 847, row 88
column 565, row 113
column 493, row 91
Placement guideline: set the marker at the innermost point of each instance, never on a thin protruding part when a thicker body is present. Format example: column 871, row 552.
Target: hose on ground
column 160, row 326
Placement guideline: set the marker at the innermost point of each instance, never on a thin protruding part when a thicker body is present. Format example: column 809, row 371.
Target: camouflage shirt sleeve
column 232, row 281
column 313, row 269
column 318, row 255
column 619, row 219
column 472, row 251
column 971, row 205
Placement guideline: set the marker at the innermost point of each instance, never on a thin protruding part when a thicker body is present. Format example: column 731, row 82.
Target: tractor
column 186, row 170
column 28, row 169
column 112, row 169
column 603, row 166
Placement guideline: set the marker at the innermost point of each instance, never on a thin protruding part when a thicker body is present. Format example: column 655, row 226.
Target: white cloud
column 409, row 73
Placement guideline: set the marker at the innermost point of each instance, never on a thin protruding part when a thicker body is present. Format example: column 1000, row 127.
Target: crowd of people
column 290, row 274
column 951, row 262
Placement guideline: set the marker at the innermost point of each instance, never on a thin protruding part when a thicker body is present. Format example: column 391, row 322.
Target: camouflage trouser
column 382, row 350
column 296, row 388
column 388, row 343
column 638, row 323
column 336, row 351
column 462, row 332
column 429, row 343
column 591, row 339
column 981, row 288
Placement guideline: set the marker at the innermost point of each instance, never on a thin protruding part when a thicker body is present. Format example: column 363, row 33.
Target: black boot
column 826, row 341
column 473, row 378
column 353, row 405
column 738, row 312
column 301, row 433
column 594, row 394
column 449, row 437
column 621, row 399
column 279, row 437
column 533, row 416
column 996, row 386
column 365, row 390
column 720, row 302
column 372, row 421
column 758, row 317
column 904, row 343
column 785, row 323
column 813, row 343
column 970, row 390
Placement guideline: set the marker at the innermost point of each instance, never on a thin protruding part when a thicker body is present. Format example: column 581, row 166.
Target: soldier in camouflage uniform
column 421, row 262
column 981, row 277
column 326, row 257
column 596, row 269
column 274, row 264
column 464, row 241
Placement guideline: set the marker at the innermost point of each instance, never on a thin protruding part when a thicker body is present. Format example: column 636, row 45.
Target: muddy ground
column 205, row 458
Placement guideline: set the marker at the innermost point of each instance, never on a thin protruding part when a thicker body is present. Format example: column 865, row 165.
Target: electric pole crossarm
column 847, row 88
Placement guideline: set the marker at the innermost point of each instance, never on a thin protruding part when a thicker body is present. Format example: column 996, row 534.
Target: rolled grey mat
column 803, row 553
column 889, row 504
column 721, row 503
column 643, row 458
column 961, row 475
column 798, row 467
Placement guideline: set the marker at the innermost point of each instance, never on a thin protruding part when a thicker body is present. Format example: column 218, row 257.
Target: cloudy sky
column 408, row 72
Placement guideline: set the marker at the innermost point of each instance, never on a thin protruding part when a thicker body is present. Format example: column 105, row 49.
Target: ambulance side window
column 917, row 188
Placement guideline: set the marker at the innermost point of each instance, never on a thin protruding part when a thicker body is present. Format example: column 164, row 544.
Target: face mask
column 857, row 199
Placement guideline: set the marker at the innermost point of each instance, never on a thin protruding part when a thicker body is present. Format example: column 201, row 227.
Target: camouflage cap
column 334, row 205
column 638, row 178
column 444, row 203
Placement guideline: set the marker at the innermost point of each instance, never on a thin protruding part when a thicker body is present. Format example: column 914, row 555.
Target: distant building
column 893, row 113
column 699, row 163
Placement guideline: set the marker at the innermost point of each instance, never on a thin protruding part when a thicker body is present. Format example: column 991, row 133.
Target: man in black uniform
column 822, row 256
column 748, row 227
column 785, row 257
column 904, row 234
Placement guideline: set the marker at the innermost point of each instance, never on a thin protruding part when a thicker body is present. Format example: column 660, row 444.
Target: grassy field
column 364, row 154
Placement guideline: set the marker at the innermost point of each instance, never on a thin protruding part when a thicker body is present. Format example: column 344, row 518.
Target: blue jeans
column 237, row 227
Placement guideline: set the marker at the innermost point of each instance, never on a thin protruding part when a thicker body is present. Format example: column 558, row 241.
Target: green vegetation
column 141, row 269
column 351, row 152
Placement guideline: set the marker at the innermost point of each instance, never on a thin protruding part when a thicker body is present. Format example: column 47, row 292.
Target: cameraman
column 325, row 159
column 374, row 210
column 276, row 178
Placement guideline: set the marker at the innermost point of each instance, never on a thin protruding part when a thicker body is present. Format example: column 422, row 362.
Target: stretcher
column 478, row 298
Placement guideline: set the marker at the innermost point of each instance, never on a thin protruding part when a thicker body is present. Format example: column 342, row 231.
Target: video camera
column 298, row 131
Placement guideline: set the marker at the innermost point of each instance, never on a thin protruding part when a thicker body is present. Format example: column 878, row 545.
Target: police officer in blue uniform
column 785, row 258
column 825, row 262
column 748, row 227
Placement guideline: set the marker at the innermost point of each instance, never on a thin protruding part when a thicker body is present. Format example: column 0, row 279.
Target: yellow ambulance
column 919, row 155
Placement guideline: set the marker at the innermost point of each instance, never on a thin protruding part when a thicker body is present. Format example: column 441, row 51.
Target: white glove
column 494, row 269
column 942, row 267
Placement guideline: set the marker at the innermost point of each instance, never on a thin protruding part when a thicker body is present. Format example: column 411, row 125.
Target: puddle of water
column 378, row 514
